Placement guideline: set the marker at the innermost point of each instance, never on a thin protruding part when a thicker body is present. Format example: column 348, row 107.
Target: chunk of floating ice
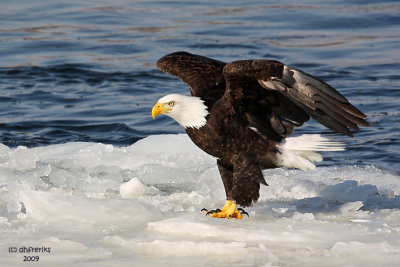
column 4, row 221
column 351, row 206
column 61, row 211
column 190, row 227
column 169, row 144
column 13, row 203
column 21, row 159
column 84, row 212
column 184, row 248
column 369, row 250
column 69, row 249
column 303, row 216
column 186, row 227
column 280, row 210
column 13, row 207
column 132, row 188
column 349, row 191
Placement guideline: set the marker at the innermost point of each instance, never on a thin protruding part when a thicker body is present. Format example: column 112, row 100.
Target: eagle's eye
column 171, row 103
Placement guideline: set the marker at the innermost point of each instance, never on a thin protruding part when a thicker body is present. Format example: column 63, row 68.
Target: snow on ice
column 100, row 205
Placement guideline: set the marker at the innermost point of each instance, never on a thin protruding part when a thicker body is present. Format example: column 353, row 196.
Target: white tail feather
column 299, row 152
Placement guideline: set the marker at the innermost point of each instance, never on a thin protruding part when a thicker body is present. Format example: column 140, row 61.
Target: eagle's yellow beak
column 157, row 110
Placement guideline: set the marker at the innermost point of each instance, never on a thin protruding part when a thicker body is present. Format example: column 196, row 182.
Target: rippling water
column 85, row 71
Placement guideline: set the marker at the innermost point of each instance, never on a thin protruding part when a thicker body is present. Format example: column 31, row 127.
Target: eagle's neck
column 192, row 113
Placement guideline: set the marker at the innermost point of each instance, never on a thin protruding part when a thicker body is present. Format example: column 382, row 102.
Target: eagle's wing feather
column 269, row 112
column 297, row 95
column 203, row 75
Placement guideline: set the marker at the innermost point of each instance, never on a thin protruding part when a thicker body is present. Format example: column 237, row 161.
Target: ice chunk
column 80, row 211
column 132, row 188
column 184, row 248
column 371, row 254
column 280, row 210
column 4, row 221
column 20, row 159
column 349, row 191
column 186, row 199
column 193, row 227
column 63, row 178
column 64, row 250
column 351, row 206
column 72, row 200
column 13, row 202
column 169, row 144
column 303, row 216
column 13, row 207
column 186, row 227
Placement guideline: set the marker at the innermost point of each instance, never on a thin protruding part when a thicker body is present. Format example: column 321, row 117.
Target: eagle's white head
column 188, row 111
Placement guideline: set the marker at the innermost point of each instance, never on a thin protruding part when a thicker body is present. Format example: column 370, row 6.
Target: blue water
column 85, row 70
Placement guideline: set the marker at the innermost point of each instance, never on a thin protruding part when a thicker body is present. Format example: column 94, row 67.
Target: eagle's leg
column 229, row 210
column 228, row 203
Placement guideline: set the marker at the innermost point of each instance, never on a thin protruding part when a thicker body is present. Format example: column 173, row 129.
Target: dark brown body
column 243, row 152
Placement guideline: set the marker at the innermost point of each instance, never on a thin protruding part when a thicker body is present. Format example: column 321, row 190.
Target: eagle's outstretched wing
column 203, row 75
column 276, row 96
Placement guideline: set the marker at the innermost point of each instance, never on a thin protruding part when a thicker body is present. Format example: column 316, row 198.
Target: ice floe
column 95, row 204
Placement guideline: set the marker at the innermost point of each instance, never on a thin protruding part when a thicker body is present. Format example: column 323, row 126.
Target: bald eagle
column 242, row 112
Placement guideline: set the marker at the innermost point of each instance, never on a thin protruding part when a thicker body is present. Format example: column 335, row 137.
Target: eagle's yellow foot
column 228, row 211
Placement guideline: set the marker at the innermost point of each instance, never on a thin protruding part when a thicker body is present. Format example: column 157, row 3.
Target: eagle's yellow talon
column 228, row 211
